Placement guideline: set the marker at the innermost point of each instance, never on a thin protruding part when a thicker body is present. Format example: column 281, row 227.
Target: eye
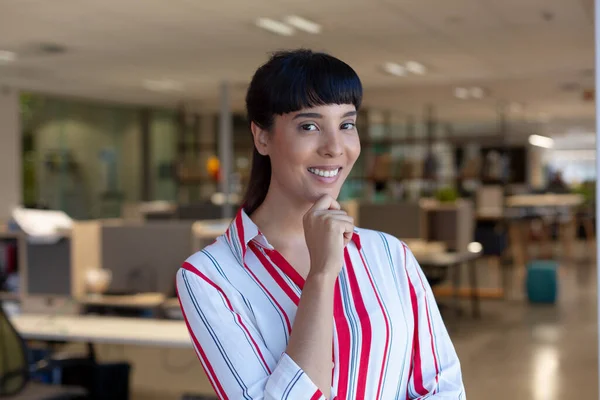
column 348, row 125
column 308, row 127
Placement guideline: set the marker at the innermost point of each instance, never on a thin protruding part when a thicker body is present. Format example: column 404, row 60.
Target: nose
column 331, row 144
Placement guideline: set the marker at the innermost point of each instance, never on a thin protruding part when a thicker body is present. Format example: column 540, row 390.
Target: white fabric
column 239, row 298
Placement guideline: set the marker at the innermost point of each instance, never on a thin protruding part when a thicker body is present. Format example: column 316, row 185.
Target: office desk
column 126, row 304
column 141, row 300
column 97, row 329
column 519, row 229
column 439, row 264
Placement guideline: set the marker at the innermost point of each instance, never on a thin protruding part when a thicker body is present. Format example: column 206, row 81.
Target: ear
column 261, row 139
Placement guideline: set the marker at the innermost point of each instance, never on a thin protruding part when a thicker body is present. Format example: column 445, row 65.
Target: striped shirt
column 239, row 297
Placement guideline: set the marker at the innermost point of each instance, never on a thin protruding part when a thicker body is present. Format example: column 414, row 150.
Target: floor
column 520, row 351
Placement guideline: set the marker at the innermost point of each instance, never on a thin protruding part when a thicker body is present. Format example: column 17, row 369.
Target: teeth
column 324, row 173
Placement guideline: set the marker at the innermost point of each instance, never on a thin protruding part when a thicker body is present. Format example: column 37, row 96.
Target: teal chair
column 542, row 281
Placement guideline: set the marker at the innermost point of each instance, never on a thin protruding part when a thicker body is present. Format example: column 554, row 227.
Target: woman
column 294, row 302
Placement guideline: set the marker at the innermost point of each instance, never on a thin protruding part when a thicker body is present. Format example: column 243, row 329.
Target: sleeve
column 435, row 371
column 231, row 350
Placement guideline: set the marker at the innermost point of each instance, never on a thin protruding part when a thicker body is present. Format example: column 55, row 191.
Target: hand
column 327, row 230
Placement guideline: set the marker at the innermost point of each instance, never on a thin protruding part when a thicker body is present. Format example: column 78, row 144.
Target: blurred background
column 124, row 148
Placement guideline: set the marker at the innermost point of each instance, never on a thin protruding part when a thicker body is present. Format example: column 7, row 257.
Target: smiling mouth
column 325, row 173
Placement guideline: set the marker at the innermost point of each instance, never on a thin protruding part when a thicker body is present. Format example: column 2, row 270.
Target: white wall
column 10, row 152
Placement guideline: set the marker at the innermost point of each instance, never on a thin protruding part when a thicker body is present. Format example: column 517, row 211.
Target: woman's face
column 312, row 151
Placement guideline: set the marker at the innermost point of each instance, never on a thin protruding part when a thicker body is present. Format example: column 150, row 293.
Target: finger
column 330, row 212
column 324, row 203
column 348, row 232
column 335, row 205
column 341, row 218
column 349, row 228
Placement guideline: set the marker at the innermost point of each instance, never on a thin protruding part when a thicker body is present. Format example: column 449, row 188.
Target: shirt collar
column 243, row 230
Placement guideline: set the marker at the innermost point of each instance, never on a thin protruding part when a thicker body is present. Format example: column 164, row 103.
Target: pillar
column 225, row 145
column 10, row 152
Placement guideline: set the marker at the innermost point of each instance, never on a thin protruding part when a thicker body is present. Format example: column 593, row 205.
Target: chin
column 313, row 197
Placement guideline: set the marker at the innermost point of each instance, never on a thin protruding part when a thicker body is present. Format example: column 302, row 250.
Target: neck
column 279, row 217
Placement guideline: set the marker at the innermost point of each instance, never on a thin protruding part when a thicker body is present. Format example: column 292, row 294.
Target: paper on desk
column 42, row 226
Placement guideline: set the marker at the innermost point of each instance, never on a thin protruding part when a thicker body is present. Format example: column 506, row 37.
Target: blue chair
column 542, row 281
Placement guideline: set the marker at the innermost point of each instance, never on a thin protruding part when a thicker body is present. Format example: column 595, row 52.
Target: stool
column 542, row 281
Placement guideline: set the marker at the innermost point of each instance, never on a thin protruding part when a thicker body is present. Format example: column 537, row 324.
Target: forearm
column 311, row 338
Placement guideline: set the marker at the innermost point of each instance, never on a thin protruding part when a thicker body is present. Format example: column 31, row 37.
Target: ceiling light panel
column 7, row 56
column 416, row 67
column 303, row 24
column 163, row 85
column 541, row 141
column 394, row 69
column 465, row 93
column 274, row 26
column 476, row 92
column 461, row 93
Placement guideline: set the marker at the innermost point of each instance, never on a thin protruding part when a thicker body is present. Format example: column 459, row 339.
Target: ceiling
column 538, row 54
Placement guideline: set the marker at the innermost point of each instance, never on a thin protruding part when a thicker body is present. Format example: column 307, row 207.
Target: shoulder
column 209, row 262
column 383, row 243
column 380, row 240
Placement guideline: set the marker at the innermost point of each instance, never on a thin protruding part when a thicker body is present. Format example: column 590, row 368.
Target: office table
column 438, row 264
column 98, row 329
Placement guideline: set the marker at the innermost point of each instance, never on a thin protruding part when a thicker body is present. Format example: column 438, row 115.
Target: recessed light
column 477, row 92
column 416, row 67
column 394, row 69
column 462, row 93
column 541, row 141
column 163, row 85
column 303, row 24
column 273, row 26
column 7, row 56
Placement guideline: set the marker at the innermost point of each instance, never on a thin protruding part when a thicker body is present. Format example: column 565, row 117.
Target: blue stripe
column 283, row 325
column 387, row 314
column 222, row 273
column 291, row 385
column 355, row 337
column 215, row 338
column 386, row 245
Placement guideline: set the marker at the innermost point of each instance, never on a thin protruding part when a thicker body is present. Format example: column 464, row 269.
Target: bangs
column 315, row 80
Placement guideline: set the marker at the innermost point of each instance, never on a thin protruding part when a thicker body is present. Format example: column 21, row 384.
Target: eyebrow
column 317, row 115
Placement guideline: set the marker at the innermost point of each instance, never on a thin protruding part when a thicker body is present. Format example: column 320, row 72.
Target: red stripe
column 192, row 269
column 387, row 327
column 318, row 394
column 343, row 335
column 287, row 320
column 208, row 369
column 287, row 268
column 275, row 275
column 416, row 356
column 365, row 326
column 435, row 360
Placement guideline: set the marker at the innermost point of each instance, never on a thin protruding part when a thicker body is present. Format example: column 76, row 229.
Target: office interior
column 124, row 148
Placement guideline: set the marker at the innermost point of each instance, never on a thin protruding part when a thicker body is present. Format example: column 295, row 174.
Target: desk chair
column 15, row 383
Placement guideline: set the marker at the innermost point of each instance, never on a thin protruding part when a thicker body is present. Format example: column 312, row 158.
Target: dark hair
column 288, row 82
